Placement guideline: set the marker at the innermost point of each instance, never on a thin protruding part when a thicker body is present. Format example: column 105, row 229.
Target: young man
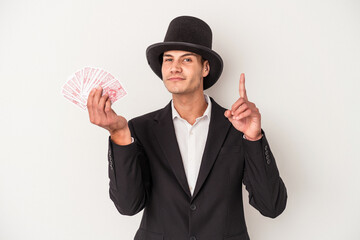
column 185, row 164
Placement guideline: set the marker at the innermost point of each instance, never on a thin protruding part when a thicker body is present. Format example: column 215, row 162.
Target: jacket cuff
column 259, row 147
column 119, row 150
column 255, row 147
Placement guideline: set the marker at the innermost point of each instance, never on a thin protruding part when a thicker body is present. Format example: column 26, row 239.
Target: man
column 185, row 164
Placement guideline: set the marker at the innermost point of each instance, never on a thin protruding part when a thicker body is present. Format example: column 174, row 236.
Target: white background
column 302, row 65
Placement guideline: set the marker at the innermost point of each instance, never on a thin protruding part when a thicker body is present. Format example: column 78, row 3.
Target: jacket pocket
column 143, row 234
column 242, row 236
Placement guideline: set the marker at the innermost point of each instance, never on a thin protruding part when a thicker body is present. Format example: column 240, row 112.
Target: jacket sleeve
column 129, row 175
column 267, row 191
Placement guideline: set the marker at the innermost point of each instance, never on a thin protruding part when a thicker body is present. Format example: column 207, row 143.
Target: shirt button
column 193, row 207
column 192, row 238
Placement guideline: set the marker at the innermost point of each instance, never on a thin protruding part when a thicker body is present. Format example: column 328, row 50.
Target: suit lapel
column 165, row 133
column 218, row 128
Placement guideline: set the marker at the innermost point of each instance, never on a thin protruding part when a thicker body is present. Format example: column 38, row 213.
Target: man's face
column 183, row 71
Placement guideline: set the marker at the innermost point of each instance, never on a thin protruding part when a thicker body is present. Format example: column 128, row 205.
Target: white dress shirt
column 191, row 140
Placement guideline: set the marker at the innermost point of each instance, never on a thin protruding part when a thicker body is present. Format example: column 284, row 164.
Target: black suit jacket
column 149, row 174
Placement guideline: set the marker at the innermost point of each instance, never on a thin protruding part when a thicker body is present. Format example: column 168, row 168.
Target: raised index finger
column 242, row 90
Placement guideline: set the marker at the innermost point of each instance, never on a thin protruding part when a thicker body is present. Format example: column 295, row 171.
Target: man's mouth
column 176, row 78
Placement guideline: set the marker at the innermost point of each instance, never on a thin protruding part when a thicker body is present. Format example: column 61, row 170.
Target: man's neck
column 190, row 106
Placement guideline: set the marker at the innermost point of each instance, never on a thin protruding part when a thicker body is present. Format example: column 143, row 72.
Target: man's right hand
column 101, row 114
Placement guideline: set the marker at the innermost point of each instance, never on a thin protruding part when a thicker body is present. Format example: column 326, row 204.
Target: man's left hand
column 244, row 115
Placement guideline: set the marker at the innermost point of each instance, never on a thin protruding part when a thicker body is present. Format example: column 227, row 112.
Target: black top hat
column 188, row 34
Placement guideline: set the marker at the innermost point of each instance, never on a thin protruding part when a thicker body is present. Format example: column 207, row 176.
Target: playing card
column 78, row 86
column 72, row 92
column 91, row 78
column 101, row 74
column 115, row 90
column 76, row 102
column 78, row 76
column 86, row 78
column 72, row 84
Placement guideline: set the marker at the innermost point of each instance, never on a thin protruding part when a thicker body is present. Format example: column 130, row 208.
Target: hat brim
column 154, row 53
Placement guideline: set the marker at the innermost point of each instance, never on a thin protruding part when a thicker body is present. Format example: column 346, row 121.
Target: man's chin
column 180, row 90
column 176, row 91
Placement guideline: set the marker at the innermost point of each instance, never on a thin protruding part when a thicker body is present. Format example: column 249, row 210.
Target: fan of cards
column 78, row 86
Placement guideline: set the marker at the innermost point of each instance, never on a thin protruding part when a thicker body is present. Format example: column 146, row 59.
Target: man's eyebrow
column 184, row 55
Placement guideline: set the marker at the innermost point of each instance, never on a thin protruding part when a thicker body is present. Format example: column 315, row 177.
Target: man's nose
column 175, row 66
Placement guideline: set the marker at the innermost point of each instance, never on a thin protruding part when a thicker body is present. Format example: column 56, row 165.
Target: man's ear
column 206, row 68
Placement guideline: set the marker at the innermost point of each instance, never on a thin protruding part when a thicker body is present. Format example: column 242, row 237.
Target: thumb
column 110, row 113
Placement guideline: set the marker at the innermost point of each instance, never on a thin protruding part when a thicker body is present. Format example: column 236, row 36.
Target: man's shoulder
column 148, row 117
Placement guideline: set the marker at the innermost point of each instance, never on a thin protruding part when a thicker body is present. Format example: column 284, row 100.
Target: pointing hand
column 244, row 115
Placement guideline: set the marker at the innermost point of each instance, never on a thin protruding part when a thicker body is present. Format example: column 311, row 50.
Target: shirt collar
column 206, row 113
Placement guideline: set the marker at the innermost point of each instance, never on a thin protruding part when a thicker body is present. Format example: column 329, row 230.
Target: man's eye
column 167, row 60
column 187, row 59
